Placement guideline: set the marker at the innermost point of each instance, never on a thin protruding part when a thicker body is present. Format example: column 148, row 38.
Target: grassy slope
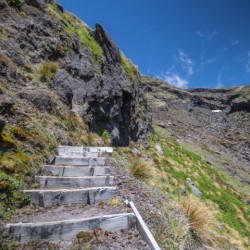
column 169, row 171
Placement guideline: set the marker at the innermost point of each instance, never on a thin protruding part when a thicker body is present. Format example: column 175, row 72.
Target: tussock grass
column 94, row 139
column 48, row 70
column 200, row 218
column 115, row 201
column 140, row 168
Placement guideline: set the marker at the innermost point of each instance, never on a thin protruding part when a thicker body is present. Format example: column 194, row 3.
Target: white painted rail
column 143, row 229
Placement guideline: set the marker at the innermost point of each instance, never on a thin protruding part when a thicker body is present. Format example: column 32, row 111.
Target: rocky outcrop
column 2, row 125
column 98, row 89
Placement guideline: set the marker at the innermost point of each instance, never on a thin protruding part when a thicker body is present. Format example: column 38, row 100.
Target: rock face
column 2, row 125
column 99, row 89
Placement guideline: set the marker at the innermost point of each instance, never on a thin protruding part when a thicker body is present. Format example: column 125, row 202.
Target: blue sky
column 189, row 43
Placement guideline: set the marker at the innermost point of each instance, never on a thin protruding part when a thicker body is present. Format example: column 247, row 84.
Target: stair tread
column 74, row 177
column 69, row 189
column 72, row 166
column 63, row 212
column 51, row 221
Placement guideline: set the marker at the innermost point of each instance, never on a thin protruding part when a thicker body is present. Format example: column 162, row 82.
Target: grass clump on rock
column 48, row 70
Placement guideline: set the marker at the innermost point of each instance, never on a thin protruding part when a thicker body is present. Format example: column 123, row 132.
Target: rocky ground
column 213, row 122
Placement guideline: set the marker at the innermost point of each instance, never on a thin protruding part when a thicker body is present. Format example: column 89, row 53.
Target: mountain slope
column 59, row 81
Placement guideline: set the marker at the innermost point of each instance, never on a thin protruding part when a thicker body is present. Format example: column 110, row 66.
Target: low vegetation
column 26, row 144
column 48, row 70
column 201, row 219
column 220, row 204
column 139, row 168
column 72, row 25
column 129, row 67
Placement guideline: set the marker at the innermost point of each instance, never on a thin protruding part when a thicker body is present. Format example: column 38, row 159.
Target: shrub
column 48, row 70
column 105, row 137
column 200, row 218
column 139, row 168
column 16, row 3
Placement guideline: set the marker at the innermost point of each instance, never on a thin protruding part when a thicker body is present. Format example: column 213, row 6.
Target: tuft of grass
column 93, row 139
column 73, row 25
column 115, row 201
column 48, row 70
column 200, row 218
column 106, row 137
column 139, row 168
column 129, row 67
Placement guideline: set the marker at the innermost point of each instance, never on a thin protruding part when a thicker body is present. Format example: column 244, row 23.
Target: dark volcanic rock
column 111, row 51
column 40, row 98
column 37, row 3
column 2, row 125
column 98, row 89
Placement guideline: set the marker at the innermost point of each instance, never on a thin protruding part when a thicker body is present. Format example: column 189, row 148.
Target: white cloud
column 174, row 80
column 186, row 63
column 207, row 34
column 219, row 82
column 235, row 42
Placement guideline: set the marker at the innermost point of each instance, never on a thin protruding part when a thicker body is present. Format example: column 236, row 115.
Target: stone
column 136, row 151
column 111, row 51
column 193, row 188
column 158, row 147
column 2, row 4
column 2, row 125
column 40, row 98
column 6, row 105
column 37, row 3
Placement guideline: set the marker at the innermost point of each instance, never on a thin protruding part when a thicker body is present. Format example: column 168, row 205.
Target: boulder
column 37, row 3
column 40, row 98
column 193, row 188
column 2, row 125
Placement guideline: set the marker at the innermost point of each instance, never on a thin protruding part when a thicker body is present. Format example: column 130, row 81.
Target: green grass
column 129, row 67
column 211, row 183
column 77, row 27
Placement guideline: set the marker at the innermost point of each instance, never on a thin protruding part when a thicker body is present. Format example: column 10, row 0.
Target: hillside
column 182, row 155
column 60, row 83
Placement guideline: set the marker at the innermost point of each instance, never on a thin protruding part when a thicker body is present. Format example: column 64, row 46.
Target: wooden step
column 48, row 198
column 67, row 229
column 79, row 161
column 70, row 171
column 54, row 182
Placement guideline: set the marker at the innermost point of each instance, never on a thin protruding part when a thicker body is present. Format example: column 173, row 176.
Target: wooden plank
column 143, row 229
column 71, row 171
column 74, row 182
column 48, row 198
column 67, row 229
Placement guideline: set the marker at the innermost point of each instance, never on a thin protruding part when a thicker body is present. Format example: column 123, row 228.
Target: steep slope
column 59, row 81
column 204, row 134
column 216, row 121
